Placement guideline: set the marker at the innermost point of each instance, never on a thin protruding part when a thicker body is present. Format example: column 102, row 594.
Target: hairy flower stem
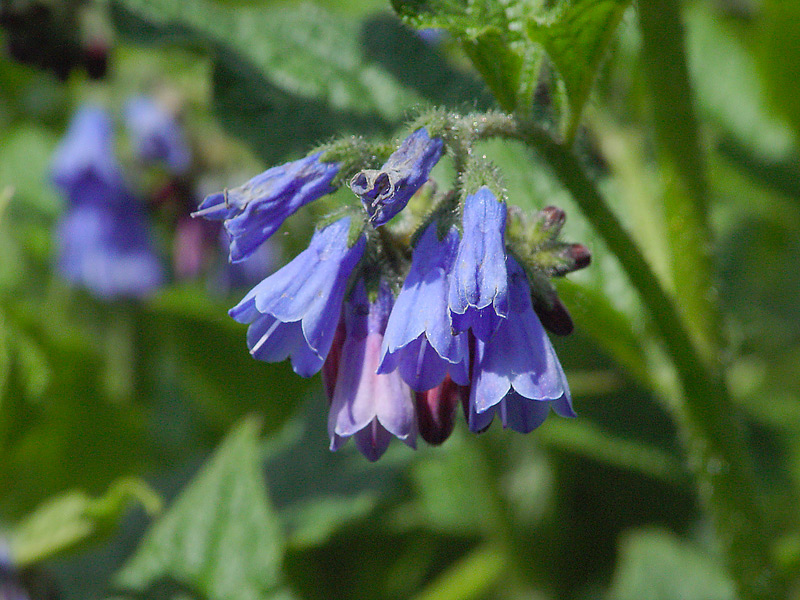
column 717, row 454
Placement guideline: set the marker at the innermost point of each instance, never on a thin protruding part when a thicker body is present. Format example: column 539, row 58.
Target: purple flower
column 517, row 373
column 86, row 152
column 368, row 406
column 478, row 295
column 294, row 312
column 156, row 134
column 106, row 248
column 103, row 238
column 419, row 340
column 385, row 192
column 255, row 210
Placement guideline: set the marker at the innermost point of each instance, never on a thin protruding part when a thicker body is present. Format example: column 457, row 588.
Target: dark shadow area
column 421, row 66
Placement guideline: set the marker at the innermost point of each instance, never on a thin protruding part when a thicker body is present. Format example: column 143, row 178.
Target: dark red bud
column 436, row 410
column 554, row 315
column 330, row 368
column 580, row 255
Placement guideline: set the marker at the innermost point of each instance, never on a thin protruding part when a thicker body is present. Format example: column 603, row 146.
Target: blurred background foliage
column 144, row 454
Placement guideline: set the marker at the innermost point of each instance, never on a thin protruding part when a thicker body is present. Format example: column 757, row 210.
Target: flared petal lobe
column 157, row 135
column 294, row 312
column 419, row 341
column 478, row 294
column 257, row 209
column 386, row 191
column 368, row 406
column 517, row 372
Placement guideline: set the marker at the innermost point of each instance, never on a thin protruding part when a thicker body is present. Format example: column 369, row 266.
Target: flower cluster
column 405, row 332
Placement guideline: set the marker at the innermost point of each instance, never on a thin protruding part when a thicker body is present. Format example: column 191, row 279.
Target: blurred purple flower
column 254, row 211
column 294, row 312
column 103, row 237
column 367, row 406
column 86, row 152
column 478, row 294
column 419, row 340
column 516, row 373
column 385, row 192
column 157, row 136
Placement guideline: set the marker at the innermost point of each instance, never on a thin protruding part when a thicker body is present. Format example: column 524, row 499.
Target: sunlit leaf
column 220, row 538
column 577, row 40
column 74, row 519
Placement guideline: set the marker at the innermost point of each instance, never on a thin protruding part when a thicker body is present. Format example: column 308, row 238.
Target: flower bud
column 436, row 410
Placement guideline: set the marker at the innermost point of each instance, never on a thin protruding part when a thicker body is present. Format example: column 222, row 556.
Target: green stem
column 718, row 459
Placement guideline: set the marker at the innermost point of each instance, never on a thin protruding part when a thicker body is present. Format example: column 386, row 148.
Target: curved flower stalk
column 419, row 341
column 478, row 295
column 386, row 191
column 293, row 313
column 157, row 136
column 516, row 373
column 368, row 406
column 254, row 211
column 103, row 237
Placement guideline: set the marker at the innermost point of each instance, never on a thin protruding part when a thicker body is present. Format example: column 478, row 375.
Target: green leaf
column 656, row 565
column 220, row 539
column 489, row 33
column 75, row 519
column 285, row 77
column 778, row 53
column 577, row 40
column 500, row 67
column 609, row 327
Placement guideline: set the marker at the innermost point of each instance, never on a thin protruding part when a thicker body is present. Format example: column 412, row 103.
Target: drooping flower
column 478, row 294
column 365, row 405
column 86, row 152
column 254, row 211
column 294, row 312
column 516, row 373
column 157, row 136
column 419, row 340
column 103, row 238
column 385, row 192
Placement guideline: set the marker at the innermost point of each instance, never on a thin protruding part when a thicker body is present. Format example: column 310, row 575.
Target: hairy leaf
column 577, row 40
column 220, row 539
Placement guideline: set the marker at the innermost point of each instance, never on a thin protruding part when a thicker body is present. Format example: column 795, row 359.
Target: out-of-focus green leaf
column 220, row 539
column 26, row 150
column 729, row 92
column 285, row 77
column 74, row 519
column 577, row 40
column 609, row 327
column 778, row 53
column 655, row 565
column 319, row 492
column 683, row 170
